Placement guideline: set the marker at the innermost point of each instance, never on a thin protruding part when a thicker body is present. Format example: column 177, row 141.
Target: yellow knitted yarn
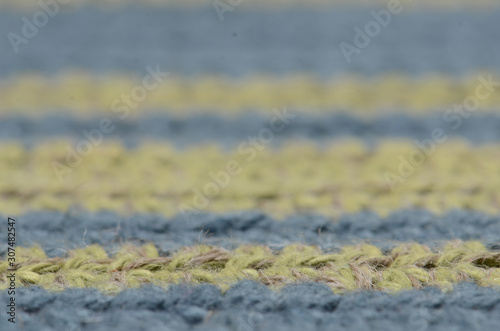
column 86, row 95
column 354, row 267
column 346, row 177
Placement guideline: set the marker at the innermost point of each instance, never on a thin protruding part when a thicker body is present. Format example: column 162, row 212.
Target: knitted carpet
column 249, row 165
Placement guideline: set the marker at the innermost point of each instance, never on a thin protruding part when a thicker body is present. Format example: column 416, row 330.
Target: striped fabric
column 250, row 165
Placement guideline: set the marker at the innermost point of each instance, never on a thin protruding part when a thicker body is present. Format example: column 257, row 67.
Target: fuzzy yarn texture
column 351, row 268
column 57, row 232
column 250, row 165
column 252, row 306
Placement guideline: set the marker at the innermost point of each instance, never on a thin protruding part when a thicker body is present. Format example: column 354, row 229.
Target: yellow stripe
column 360, row 267
column 82, row 94
column 266, row 4
column 346, row 177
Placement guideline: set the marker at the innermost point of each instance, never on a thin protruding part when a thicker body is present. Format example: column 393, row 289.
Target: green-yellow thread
column 354, row 267
column 31, row 94
column 157, row 178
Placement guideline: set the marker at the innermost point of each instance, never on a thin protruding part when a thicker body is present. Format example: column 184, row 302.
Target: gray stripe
column 252, row 306
column 282, row 41
column 229, row 132
column 57, row 232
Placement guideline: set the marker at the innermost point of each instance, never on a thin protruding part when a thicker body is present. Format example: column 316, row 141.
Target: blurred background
column 138, row 106
column 354, row 144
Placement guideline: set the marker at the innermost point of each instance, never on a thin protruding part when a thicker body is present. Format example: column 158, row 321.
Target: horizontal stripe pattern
column 126, row 96
column 346, row 176
column 376, row 206
column 362, row 267
column 250, row 305
column 57, row 232
column 228, row 132
column 196, row 42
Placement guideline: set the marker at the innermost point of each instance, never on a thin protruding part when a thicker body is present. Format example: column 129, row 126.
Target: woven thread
column 176, row 95
column 355, row 267
column 345, row 177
